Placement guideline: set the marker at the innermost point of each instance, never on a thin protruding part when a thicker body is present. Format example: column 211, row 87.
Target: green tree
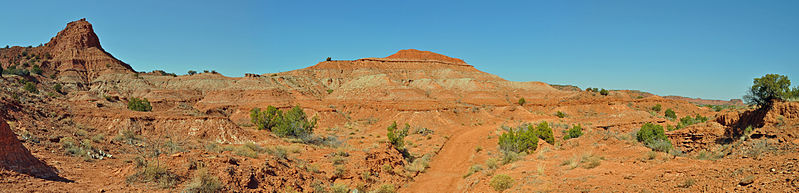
column 192, row 72
column 142, row 104
column 521, row 101
column 522, row 139
column 603, row 92
column 654, row 137
column 575, row 132
column 768, row 88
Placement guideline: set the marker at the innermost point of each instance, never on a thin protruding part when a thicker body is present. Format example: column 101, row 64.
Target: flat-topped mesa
column 77, row 56
column 418, row 55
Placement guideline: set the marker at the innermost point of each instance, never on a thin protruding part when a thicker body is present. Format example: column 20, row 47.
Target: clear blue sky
column 708, row 49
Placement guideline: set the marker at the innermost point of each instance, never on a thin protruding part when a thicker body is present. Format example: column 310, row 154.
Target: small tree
column 603, row 92
column 521, row 101
column 266, row 119
column 329, row 59
column 142, row 104
column 768, row 88
column 192, row 72
column 295, row 124
column 670, row 114
column 522, row 139
column 396, row 136
column 654, row 137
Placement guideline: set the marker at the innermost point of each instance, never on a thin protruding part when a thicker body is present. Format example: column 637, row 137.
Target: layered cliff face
column 74, row 56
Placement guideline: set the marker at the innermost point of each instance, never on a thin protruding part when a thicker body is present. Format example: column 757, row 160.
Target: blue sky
column 708, row 49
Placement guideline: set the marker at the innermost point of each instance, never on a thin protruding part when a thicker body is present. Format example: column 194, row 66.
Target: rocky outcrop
column 15, row 157
column 413, row 54
column 78, row 57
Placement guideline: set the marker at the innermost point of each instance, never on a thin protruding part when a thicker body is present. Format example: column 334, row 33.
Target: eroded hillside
column 76, row 119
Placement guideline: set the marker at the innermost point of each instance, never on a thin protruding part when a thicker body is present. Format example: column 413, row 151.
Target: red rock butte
column 413, row 54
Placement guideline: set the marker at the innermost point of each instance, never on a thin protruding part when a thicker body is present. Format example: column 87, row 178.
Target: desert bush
column 339, row 188
column 396, row 136
column 501, row 182
column 521, row 139
column 385, row 188
column 137, row 104
column 560, row 114
column 521, row 101
column 154, row 173
column 670, row 114
column 249, row 149
column 192, row 72
column 203, row 182
column 656, row 108
column 420, row 164
column 768, row 88
column 294, row 123
column 575, row 132
column 654, row 137
column 473, row 169
column 31, row 87
column 604, row 92
column 545, row 132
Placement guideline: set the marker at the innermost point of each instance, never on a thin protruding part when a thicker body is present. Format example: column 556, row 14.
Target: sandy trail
column 448, row 167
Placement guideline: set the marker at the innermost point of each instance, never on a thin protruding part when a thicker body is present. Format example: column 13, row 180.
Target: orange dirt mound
column 15, row 157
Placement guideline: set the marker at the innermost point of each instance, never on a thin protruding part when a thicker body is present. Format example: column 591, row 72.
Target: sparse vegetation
column 57, row 87
column 137, row 104
column 154, row 173
column 203, row 182
column 36, row 70
column 473, row 169
column 574, row 132
column 521, row 101
column 501, row 182
column 192, row 72
column 654, row 137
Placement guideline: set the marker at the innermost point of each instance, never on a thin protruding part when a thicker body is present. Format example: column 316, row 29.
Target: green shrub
column 522, row 139
column 292, row 124
column 603, row 92
column 192, row 72
column 36, row 70
column 501, row 182
column 265, row 119
column 575, row 132
column 670, row 114
column 653, row 137
column 560, row 114
column 688, row 120
column 770, row 87
column 545, row 132
column 137, row 104
column 31, row 87
column 202, row 182
column 521, row 101
column 473, row 169
column 656, row 108
column 386, row 188
column 396, row 137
